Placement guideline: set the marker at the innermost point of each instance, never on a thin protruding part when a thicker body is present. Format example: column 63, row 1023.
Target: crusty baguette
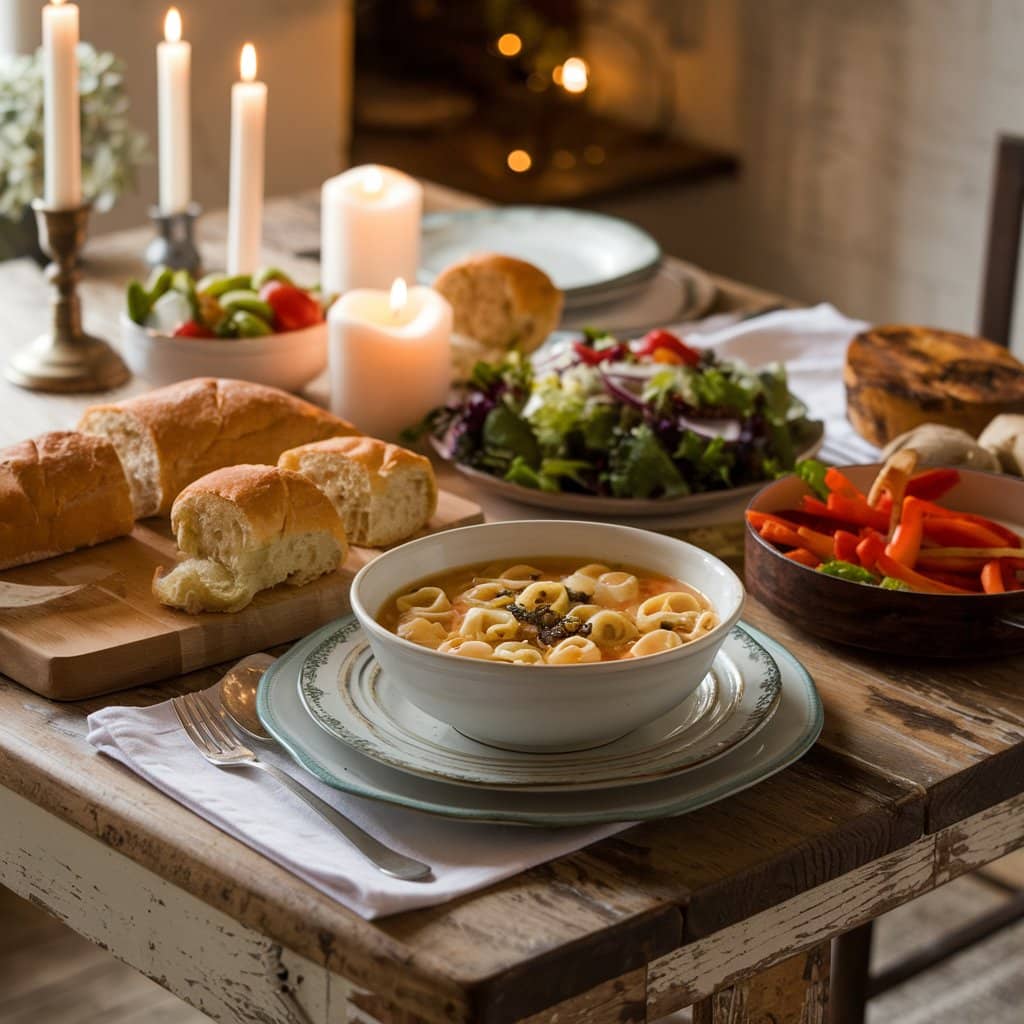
column 248, row 528
column 176, row 434
column 60, row 492
column 383, row 493
column 501, row 302
column 898, row 377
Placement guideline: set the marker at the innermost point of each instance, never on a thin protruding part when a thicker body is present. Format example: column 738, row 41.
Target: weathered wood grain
column 701, row 968
column 794, row 991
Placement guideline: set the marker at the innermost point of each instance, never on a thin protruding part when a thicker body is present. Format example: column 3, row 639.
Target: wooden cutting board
column 113, row 634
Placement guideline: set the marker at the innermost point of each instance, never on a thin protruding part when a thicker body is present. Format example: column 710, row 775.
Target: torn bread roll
column 501, row 302
column 1004, row 438
column 59, row 492
column 176, row 434
column 383, row 493
column 247, row 528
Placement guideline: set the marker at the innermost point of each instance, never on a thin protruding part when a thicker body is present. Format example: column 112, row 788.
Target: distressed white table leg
column 227, row 971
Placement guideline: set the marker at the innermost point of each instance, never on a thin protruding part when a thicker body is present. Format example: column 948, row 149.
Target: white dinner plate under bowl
column 582, row 252
column 348, row 695
column 788, row 736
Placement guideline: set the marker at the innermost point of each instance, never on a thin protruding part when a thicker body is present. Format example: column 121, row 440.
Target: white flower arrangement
column 111, row 148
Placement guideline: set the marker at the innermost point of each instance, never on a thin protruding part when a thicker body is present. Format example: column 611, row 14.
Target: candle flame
column 172, row 25
column 399, row 296
column 57, row 3
column 575, row 75
column 373, row 181
column 247, row 63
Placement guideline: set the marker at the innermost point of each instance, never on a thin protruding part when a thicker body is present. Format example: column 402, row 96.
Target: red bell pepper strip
column 960, row 533
column 662, row 339
column 906, row 538
column 932, row 484
column 813, row 506
column 856, row 513
column 844, row 545
column 915, row 580
column 1010, row 538
column 758, row 519
column 992, row 578
column 925, row 563
column 966, row 581
column 839, row 483
column 804, row 557
column 778, row 533
column 596, row 356
column 871, row 545
column 1010, row 579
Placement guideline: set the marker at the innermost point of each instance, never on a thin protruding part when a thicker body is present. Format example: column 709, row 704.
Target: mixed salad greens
column 654, row 418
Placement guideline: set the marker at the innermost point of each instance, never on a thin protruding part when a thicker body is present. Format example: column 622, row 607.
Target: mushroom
column 1004, row 438
column 939, row 445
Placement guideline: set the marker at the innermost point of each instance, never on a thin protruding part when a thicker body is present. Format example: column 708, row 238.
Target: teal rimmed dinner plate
column 790, row 733
column 350, row 698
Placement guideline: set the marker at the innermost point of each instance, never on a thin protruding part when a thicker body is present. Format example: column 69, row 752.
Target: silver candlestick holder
column 65, row 358
column 174, row 245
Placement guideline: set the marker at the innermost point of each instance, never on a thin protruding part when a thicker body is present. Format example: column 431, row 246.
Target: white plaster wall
column 867, row 131
column 304, row 49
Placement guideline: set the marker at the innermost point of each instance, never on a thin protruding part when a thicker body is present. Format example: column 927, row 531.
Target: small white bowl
column 544, row 707
column 288, row 360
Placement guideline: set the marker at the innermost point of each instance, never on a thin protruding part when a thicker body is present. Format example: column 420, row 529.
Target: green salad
column 654, row 418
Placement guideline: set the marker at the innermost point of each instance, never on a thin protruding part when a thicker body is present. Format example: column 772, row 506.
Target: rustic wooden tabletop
column 917, row 778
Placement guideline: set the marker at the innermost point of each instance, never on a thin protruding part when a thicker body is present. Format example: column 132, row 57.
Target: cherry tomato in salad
column 293, row 307
column 192, row 329
column 660, row 340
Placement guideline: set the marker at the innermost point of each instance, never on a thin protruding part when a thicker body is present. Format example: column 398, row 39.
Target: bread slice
column 248, row 528
column 501, row 302
column 383, row 493
column 176, row 434
column 60, row 492
column 898, row 377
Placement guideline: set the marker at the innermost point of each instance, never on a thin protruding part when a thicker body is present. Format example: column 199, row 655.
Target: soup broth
column 552, row 611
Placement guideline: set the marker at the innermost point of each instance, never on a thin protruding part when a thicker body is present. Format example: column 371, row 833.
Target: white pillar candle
column 389, row 357
column 369, row 229
column 245, row 202
column 173, row 74
column 61, row 134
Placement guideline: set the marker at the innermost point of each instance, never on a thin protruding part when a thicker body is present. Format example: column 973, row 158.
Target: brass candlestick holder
column 65, row 358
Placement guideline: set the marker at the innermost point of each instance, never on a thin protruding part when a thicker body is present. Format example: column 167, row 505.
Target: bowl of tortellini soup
column 543, row 636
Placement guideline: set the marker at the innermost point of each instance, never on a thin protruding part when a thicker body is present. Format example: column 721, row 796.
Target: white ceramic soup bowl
column 544, row 707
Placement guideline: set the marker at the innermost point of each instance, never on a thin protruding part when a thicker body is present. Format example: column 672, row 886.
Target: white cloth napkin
column 812, row 343
column 251, row 806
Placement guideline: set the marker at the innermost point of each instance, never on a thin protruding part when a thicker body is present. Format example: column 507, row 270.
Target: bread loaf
column 383, row 493
column 176, row 434
column 247, row 528
column 501, row 302
column 60, row 492
column 898, row 377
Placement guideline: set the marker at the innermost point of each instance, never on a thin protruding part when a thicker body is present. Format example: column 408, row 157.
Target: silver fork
column 223, row 748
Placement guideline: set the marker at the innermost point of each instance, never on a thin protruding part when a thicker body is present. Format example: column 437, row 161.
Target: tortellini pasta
column 426, row 602
column 490, row 624
column 549, row 611
column 574, row 650
column 610, row 629
column 423, row 632
column 655, row 642
column 519, row 652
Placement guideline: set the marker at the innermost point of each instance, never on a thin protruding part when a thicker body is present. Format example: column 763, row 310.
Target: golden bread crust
column 59, row 492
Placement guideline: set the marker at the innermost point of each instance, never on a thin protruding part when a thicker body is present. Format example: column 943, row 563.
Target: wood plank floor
column 49, row 975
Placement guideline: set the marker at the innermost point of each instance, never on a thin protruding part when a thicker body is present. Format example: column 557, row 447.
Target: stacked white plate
column 330, row 706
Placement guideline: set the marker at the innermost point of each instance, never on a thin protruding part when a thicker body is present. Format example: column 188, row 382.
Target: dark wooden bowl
column 891, row 621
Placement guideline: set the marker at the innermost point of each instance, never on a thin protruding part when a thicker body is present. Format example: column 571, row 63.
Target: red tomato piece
column 662, row 339
column 294, row 308
column 192, row 329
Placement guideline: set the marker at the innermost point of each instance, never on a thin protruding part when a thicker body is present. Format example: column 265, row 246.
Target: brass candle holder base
column 65, row 358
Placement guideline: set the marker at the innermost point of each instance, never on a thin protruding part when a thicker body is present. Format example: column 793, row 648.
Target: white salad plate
column 582, row 252
column 599, row 507
column 348, row 695
column 789, row 734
